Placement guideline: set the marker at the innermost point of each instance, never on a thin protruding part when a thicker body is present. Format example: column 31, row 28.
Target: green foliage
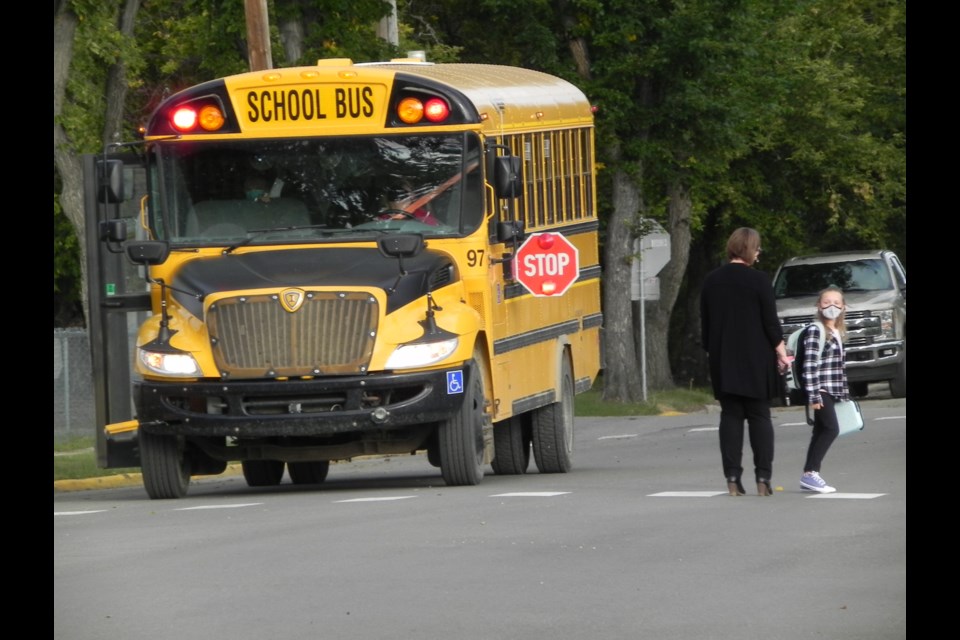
column 67, row 305
column 98, row 45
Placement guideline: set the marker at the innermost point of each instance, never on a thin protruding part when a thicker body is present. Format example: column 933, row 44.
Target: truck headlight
column 887, row 328
column 421, row 354
column 170, row 364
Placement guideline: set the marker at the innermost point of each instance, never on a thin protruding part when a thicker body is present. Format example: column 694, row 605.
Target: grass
column 75, row 458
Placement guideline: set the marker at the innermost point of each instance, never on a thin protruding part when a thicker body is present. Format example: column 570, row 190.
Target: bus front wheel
column 165, row 468
column 460, row 438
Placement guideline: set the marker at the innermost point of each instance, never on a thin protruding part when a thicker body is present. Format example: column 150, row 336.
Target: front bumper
column 874, row 363
column 317, row 407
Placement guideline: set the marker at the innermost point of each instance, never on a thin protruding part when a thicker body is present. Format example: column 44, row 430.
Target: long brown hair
column 743, row 244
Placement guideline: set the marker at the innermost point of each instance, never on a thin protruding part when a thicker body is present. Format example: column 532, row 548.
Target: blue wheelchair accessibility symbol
column 454, row 382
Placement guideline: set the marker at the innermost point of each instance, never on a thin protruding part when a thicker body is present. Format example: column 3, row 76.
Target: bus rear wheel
column 553, row 428
column 313, row 472
column 165, row 468
column 511, row 443
column 262, row 473
column 461, row 437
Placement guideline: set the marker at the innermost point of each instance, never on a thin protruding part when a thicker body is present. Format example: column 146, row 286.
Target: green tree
column 786, row 116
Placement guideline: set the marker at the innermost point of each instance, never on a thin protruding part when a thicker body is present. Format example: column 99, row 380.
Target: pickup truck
column 874, row 285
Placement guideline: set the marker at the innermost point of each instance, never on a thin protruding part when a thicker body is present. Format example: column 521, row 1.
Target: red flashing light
column 545, row 241
column 184, row 119
column 436, row 110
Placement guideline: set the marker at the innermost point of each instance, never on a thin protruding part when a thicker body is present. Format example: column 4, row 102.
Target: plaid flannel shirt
column 824, row 373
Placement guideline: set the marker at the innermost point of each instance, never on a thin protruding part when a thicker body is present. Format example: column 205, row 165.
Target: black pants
column 733, row 411
column 825, row 431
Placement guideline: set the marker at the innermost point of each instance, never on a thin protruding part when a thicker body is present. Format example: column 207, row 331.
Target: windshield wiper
column 258, row 232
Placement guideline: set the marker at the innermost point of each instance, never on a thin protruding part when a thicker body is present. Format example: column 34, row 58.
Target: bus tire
column 461, row 437
column 511, row 443
column 262, row 473
column 312, row 472
column 553, row 428
column 165, row 468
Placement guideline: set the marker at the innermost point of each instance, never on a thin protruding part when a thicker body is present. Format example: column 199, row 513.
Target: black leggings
column 825, row 431
column 733, row 411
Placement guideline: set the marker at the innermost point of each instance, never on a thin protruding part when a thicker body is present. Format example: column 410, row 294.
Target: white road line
column 705, row 429
column 530, row 494
column 847, row 496
column 381, row 499
column 687, row 494
column 219, row 506
column 76, row 513
column 794, row 424
column 892, row 418
column 621, row 437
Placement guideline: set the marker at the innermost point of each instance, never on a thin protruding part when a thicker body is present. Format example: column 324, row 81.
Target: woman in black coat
column 744, row 342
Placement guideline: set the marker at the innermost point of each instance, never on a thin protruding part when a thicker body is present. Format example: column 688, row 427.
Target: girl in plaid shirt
column 825, row 382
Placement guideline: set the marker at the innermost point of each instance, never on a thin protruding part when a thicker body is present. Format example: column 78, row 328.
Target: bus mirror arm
column 509, row 231
column 113, row 233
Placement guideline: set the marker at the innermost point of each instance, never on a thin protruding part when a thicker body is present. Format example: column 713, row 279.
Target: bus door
column 119, row 300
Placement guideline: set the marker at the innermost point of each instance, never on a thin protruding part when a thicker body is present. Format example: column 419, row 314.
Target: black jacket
column 740, row 331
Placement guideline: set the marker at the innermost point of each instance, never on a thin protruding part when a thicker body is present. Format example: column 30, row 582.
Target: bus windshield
column 295, row 190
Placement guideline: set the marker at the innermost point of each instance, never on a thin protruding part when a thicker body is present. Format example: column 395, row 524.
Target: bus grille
column 331, row 333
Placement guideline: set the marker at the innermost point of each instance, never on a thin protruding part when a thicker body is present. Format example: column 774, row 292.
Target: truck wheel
column 166, row 470
column 553, row 429
column 262, row 473
column 859, row 389
column 313, row 472
column 511, row 446
column 898, row 386
column 461, row 437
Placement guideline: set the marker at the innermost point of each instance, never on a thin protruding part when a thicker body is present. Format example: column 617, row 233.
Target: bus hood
column 348, row 267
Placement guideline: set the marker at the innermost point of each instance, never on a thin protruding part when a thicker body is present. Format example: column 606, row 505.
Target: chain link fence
column 74, row 413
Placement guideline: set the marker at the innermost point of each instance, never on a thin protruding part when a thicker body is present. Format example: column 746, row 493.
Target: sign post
column 653, row 253
column 547, row 264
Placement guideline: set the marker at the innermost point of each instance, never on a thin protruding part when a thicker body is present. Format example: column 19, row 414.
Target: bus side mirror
column 507, row 182
column 148, row 252
column 111, row 188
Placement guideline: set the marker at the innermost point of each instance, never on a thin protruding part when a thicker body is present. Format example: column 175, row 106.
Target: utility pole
column 258, row 35
column 387, row 28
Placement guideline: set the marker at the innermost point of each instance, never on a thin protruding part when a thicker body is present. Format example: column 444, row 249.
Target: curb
column 122, row 480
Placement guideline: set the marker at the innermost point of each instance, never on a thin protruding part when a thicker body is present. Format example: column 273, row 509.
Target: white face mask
column 831, row 313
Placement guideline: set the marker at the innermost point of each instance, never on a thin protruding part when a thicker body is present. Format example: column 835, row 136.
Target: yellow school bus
column 330, row 255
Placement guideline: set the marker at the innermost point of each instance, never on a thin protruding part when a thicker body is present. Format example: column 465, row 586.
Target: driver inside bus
column 406, row 204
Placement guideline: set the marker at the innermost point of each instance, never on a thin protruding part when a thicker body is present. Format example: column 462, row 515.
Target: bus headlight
column 421, row 354
column 170, row 364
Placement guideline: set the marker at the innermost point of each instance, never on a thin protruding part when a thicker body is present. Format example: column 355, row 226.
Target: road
column 640, row 540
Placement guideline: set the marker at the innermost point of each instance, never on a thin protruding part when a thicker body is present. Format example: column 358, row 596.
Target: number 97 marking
column 475, row 258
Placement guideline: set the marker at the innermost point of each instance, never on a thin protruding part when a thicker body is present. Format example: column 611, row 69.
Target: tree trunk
column 621, row 373
column 658, row 314
column 116, row 93
column 66, row 162
column 65, row 156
